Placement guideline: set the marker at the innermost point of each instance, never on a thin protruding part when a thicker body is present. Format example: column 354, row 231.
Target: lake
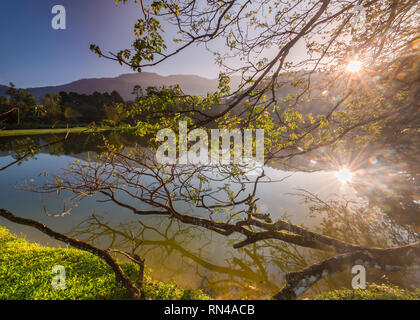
column 190, row 256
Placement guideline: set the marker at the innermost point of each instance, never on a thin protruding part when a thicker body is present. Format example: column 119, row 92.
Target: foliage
column 25, row 273
column 19, row 106
column 88, row 108
column 20, row 109
column 372, row 292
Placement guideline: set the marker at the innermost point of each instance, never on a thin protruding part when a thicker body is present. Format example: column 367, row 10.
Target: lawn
column 31, row 132
column 372, row 292
column 26, row 274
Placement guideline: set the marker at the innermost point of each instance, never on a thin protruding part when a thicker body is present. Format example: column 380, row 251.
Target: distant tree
column 52, row 106
column 71, row 115
column 90, row 107
column 116, row 97
column 24, row 104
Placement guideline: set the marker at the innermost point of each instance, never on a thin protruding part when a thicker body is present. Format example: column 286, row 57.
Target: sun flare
column 344, row 175
column 354, row 66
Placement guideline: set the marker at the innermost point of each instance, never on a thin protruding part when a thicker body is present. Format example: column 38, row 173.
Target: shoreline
column 32, row 132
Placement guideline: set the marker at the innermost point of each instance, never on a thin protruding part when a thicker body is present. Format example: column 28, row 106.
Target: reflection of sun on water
column 344, row 175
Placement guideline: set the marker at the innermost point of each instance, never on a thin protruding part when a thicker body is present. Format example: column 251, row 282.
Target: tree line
column 21, row 110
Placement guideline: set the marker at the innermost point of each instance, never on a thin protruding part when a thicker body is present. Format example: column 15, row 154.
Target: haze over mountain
column 124, row 84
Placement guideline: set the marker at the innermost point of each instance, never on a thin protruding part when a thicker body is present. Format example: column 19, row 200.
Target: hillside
column 124, row 84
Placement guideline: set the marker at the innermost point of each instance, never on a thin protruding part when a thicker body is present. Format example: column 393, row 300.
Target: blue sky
column 33, row 54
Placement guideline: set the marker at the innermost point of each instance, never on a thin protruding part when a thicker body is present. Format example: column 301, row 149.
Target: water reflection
column 189, row 255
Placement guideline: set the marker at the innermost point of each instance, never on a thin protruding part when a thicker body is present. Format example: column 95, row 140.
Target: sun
column 344, row 175
column 354, row 66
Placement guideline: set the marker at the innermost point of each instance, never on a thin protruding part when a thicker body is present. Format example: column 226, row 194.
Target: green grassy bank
column 31, row 132
column 26, row 273
column 372, row 292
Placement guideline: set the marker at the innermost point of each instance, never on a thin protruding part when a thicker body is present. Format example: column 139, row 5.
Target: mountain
column 190, row 84
column 124, row 84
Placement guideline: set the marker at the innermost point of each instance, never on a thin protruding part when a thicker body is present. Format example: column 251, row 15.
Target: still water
column 189, row 256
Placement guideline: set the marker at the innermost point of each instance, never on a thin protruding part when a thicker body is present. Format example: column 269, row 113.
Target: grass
column 26, row 274
column 372, row 292
column 31, row 132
